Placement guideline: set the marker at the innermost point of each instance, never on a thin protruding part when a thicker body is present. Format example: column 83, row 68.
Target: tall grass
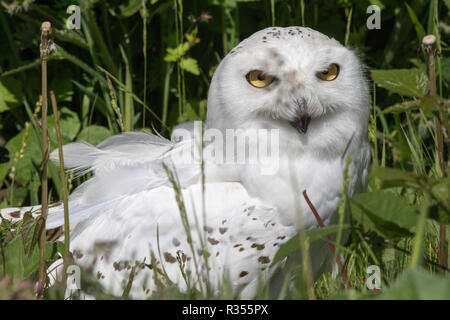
column 116, row 70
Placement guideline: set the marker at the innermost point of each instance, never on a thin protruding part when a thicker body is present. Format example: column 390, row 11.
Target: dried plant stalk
column 46, row 29
column 64, row 185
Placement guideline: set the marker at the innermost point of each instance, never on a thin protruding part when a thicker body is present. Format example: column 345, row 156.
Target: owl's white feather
column 128, row 210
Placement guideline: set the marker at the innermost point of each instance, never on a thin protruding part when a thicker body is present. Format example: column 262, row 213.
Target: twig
column 428, row 46
column 46, row 30
column 64, row 185
column 330, row 243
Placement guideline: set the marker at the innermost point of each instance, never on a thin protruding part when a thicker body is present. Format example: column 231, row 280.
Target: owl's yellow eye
column 330, row 74
column 258, row 79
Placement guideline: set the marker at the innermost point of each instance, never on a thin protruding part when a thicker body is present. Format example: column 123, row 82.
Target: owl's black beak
column 302, row 118
column 301, row 123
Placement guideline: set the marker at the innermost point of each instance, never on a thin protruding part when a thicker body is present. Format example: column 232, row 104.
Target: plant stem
column 46, row 30
column 330, row 243
column 428, row 43
column 420, row 230
column 144, row 51
column 64, row 185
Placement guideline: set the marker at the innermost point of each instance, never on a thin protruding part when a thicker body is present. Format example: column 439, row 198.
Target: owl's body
column 128, row 211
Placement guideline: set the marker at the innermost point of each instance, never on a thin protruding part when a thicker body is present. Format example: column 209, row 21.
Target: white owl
column 295, row 80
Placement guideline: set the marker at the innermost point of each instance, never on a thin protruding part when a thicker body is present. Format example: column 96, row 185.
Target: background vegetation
column 147, row 64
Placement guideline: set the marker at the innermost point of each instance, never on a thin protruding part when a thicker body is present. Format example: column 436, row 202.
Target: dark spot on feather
column 176, row 242
column 241, row 249
column 217, row 253
column 117, row 266
column 258, row 246
column 208, row 229
column 281, row 237
column 223, row 230
column 237, row 245
column 213, row 241
column 169, row 258
column 243, row 274
column 15, row 214
column 264, row 259
column 223, row 221
column 77, row 254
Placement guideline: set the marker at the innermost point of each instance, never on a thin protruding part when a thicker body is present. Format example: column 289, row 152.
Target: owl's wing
column 235, row 237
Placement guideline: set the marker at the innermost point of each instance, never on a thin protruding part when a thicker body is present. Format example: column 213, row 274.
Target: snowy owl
column 142, row 215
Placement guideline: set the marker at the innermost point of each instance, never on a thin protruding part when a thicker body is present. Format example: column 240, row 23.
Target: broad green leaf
column 28, row 163
column 14, row 258
column 418, row 284
column 30, row 232
column 294, row 244
column 18, row 265
column 93, row 134
column 190, row 65
column 405, row 82
column 384, row 212
column 70, row 125
column 427, row 104
column 10, row 93
column 63, row 89
column 441, row 190
column 396, row 177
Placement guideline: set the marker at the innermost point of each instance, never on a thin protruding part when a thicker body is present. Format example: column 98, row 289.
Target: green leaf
column 445, row 65
column 18, row 265
column 427, row 104
column 63, row 89
column 441, row 190
column 174, row 54
column 418, row 284
column 420, row 31
column 190, row 65
column 30, row 232
column 14, row 258
column 405, row 82
column 94, row 134
column 130, row 9
column 70, row 126
column 10, row 93
column 28, row 164
column 294, row 244
column 396, row 177
column 437, row 213
column 384, row 212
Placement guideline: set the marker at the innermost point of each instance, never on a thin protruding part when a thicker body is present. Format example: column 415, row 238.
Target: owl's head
column 295, row 79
